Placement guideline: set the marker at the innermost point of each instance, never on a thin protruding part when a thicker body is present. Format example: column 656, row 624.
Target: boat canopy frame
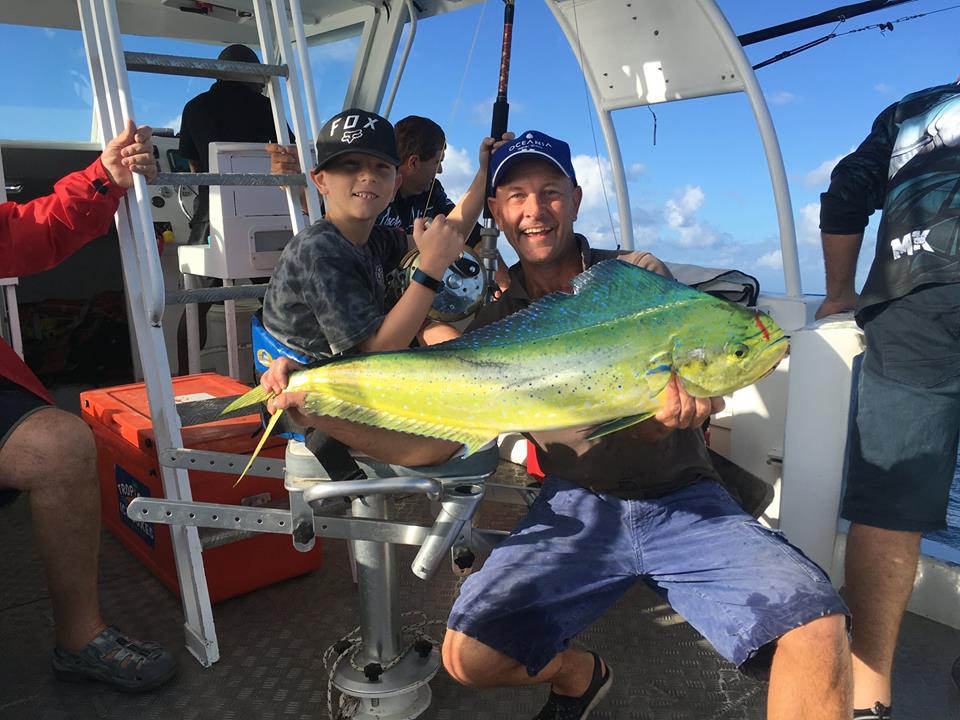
column 645, row 52
column 632, row 54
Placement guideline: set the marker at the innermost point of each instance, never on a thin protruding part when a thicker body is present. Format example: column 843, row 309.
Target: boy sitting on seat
column 326, row 295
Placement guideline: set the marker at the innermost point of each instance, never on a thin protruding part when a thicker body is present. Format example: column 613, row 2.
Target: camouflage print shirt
column 327, row 294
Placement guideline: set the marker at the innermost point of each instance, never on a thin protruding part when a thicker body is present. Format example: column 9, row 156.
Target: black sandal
column 121, row 662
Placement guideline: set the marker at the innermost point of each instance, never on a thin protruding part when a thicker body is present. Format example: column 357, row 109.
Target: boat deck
column 272, row 642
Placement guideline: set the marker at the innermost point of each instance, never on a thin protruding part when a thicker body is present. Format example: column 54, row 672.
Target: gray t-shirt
column 327, row 294
column 625, row 463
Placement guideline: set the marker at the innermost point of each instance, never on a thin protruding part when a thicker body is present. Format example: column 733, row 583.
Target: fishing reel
column 463, row 287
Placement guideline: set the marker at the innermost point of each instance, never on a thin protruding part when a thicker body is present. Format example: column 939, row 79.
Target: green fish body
column 600, row 356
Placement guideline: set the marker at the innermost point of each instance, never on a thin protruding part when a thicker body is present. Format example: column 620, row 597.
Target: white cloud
column 481, row 112
column 782, row 97
column 81, row 87
column 595, row 176
column 635, row 171
column 883, row 88
column 700, row 235
column 820, row 175
column 338, row 51
column 808, row 224
column 173, row 123
column 679, row 212
column 51, row 34
column 772, row 260
column 458, row 171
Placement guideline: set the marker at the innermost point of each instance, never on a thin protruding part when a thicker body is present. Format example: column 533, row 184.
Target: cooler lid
column 125, row 410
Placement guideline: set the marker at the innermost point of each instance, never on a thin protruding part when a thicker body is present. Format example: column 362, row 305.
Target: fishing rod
column 881, row 26
column 835, row 15
column 471, row 280
column 489, row 233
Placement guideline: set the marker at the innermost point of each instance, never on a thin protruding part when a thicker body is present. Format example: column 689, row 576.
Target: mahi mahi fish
column 599, row 357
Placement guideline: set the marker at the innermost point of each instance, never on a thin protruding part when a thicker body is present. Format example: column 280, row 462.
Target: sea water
column 945, row 544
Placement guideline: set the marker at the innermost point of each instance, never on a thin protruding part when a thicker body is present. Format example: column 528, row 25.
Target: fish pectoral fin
column 263, row 439
column 618, row 424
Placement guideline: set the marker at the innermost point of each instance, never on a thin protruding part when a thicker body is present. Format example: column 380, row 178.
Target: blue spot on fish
column 658, row 369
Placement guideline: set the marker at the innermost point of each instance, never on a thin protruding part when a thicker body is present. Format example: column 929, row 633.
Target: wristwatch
column 419, row 276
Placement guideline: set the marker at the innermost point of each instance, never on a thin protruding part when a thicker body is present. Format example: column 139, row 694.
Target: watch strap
column 419, row 276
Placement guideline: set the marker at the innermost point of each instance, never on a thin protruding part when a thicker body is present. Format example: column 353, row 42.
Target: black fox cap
column 356, row 131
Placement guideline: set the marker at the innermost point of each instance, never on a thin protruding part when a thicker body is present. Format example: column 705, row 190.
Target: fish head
column 728, row 347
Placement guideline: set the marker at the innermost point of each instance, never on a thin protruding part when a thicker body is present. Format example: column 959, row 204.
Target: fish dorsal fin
column 608, row 291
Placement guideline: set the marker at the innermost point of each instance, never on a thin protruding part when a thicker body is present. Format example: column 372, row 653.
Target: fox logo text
column 352, row 121
column 350, row 135
column 910, row 243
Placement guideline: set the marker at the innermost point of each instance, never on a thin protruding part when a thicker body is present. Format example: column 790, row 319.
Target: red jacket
column 37, row 235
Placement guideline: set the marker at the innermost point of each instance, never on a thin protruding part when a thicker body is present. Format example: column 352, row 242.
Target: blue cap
column 528, row 146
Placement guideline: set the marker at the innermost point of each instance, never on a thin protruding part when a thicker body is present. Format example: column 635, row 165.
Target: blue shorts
column 902, row 442
column 576, row 552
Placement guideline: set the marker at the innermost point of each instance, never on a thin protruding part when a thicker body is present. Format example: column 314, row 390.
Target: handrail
column 379, row 486
column 142, row 225
column 412, row 12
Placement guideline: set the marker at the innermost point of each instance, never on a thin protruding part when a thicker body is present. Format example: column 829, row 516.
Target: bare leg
column 471, row 663
column 51, row 455
column 881, row 566
column 810, row 676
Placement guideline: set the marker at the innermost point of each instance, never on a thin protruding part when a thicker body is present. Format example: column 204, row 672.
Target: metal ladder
column 143, row 278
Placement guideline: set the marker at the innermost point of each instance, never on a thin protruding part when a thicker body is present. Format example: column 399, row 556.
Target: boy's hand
column 283, row 159
column 277, row 376
column 487, row 146
column 439, row 245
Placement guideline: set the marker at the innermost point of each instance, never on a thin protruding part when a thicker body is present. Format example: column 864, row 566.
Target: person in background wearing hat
column 641, row 503
column 230, row 111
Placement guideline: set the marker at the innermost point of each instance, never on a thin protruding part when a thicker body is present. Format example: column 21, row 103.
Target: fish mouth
column 776, row 345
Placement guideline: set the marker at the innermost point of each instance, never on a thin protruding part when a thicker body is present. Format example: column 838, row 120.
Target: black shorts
column 902, row 444
column 16, row 405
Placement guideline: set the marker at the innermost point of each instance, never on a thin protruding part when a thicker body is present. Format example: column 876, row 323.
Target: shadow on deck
column 272, row 641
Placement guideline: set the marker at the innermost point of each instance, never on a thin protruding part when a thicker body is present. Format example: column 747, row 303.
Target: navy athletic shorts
column 576, row 552
column 16, row 405
column 902, row 442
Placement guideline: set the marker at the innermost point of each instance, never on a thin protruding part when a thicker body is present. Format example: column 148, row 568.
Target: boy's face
column 357, row 186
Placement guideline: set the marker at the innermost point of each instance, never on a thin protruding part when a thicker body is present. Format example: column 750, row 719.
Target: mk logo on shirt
column 910, row 243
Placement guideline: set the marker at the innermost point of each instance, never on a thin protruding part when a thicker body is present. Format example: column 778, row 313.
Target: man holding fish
column 642, row 361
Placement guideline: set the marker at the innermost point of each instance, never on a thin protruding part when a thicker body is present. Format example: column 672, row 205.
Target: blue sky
column 701, row 194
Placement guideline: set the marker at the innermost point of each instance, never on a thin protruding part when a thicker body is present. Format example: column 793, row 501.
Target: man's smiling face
column 535, row 206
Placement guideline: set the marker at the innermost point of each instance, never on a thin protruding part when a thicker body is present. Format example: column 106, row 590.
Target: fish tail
column 258, row 395
column 263, row 439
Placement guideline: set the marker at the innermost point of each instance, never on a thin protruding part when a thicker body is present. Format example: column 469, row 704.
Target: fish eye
column 739, row 350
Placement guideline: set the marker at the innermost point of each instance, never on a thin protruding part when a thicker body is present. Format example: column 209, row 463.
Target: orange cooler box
column 128, row 468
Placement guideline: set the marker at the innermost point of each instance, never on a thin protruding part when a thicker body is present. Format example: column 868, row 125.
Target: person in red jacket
column 49, row 453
